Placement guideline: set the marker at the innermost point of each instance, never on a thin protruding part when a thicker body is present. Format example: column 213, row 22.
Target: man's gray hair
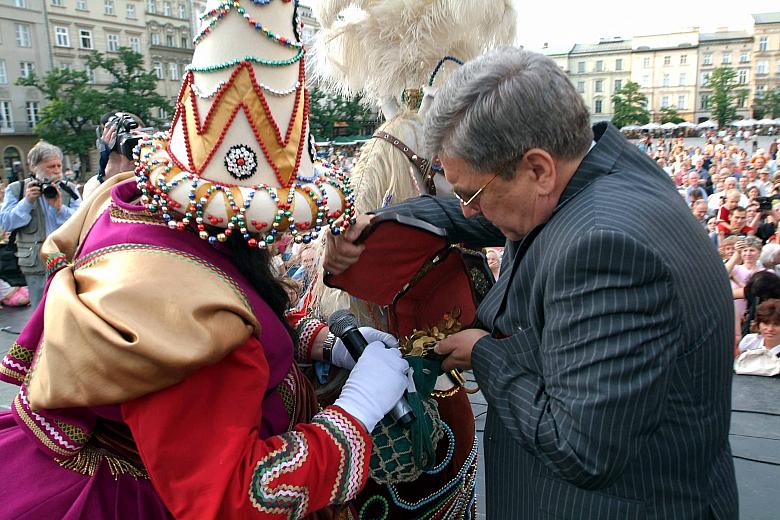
column 496, row 107
column 42, row 151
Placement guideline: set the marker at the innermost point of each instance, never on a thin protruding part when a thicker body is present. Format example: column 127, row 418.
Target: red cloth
column 726, row 229
column 199, row 442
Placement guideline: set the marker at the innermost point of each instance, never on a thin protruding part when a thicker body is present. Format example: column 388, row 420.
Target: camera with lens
column 764, row 203
column 50, row 190
column 125, row 139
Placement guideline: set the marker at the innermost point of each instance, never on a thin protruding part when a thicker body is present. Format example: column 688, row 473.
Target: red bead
column 252, row 242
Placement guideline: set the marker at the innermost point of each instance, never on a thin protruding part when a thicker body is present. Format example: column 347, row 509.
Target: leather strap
column 422, row 164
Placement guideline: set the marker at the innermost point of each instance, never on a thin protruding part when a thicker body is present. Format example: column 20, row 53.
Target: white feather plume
column 381, row 47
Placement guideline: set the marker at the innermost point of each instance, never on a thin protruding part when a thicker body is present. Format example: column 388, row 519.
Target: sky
column 562, row 23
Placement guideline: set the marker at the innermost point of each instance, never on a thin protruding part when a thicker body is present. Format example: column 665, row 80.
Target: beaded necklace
column 224, row 8
column 274, row 92
column 251, row 59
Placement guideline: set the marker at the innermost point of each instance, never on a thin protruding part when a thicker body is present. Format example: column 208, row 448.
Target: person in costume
column 158, row 377
column 400, row 71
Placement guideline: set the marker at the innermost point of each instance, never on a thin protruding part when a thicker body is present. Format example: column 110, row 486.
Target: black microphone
column 344, row 325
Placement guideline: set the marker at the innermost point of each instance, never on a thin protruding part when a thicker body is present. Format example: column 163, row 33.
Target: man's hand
column 341, row 252
column 458, row 348
column 32, row 190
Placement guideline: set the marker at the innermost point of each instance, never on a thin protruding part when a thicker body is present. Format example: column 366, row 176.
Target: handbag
column 757, row 362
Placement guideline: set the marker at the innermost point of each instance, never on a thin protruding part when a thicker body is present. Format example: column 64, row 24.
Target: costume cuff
column 306, row 330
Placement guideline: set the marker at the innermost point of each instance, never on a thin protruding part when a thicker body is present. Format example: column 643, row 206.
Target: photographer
column 35, row 208
column 117, row 135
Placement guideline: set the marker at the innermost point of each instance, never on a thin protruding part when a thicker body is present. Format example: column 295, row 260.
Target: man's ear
column 542, row 167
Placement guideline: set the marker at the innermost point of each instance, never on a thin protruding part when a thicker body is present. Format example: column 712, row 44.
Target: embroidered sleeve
column 306, row 330
column 200, row 444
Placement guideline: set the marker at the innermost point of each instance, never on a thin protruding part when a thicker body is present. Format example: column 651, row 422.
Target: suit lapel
column 597, row 163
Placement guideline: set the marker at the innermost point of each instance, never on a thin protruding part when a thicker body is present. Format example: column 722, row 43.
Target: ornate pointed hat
column 238, row 157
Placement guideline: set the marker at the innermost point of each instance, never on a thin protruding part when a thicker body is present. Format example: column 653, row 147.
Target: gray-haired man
column 35, row 208
column 609, row 397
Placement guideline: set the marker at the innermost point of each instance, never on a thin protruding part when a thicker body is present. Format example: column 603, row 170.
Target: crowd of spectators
column 733, row 190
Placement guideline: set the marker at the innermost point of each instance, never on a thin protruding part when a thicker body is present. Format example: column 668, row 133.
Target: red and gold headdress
column 238, row 157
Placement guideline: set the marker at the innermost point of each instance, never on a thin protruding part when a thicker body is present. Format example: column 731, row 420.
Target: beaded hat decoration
column 238, row 157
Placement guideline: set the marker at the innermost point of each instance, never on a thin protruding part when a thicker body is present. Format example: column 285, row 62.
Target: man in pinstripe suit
column 609, row 390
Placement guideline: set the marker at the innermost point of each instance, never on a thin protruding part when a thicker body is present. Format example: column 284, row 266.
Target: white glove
column 341, row 357
column 375, row 384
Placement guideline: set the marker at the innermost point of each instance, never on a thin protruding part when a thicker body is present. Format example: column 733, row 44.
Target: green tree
column 725, row 94
column 768, row 105
column 329, row 112
column 670, row 115
column 629, row 106
column 132, row 87
column 72, row 109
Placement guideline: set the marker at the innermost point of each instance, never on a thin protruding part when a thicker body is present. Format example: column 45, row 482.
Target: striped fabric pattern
column 608, row 368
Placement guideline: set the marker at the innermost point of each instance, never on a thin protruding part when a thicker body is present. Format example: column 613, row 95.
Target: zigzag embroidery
column 283, row 499
column 44, row 423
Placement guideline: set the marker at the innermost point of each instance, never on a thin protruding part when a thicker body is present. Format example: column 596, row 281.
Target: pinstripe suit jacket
column 608, row 368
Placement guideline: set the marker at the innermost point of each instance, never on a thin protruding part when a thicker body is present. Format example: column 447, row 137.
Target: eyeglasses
column 476, row 194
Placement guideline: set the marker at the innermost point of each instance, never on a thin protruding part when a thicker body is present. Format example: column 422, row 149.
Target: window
column 742, row 77
column 163, row 113
column 135, row 43
column 3, row 73
column 26, row 68
column 20, row 3
column 151, row 6
column 664, row 101
column 112, row 42
column 762, row 67
column 57, row 3
column 23, row 35
column 85, row 39
column 726, row 58
column 763, row 44
column 598, row 85
column 184, row 42
column 61, row 37
column 618, row 84
column 599, row 65
column 158, row 70
column 90, row 73
column 741, row 102
column 707, row 60
column 581, row 87
column 66, row 65
column 645, row 83
column 705, row 78
column 155, row 38
column 777, row 69
column 646, row 63
column 704, row 102
column 618, row 64
column 667, row 61
column 683, row 59
column 744, row 57
column 6, row 120
column 182, row 11
column 166, row 8
column 683, row 79
column 81, row 5
column 667, row 80
column 32, row 113
column 131, row 11
column 597, row 106
column 760, row 91
column 169, row 42
column 681, row 102
column 108, row 7
column 581, row 67
column 173, row 71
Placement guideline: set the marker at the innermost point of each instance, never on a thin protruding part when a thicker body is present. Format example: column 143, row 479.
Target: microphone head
column 341, row 321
